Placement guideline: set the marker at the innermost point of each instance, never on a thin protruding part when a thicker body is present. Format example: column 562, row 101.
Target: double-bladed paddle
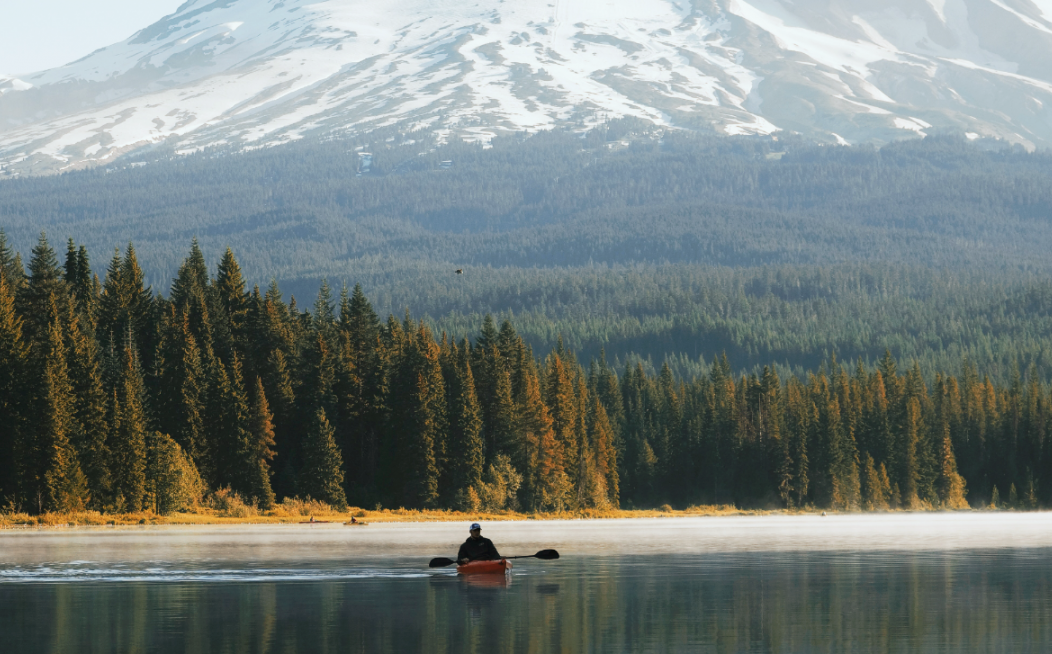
column 545, row 555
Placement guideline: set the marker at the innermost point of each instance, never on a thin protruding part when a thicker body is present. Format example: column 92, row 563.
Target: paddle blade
column 441, row 563
column 547, row 555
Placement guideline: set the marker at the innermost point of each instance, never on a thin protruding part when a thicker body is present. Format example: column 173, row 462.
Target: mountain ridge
column 252, row 73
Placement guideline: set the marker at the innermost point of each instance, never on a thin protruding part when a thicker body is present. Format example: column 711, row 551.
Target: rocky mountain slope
column 248, row 73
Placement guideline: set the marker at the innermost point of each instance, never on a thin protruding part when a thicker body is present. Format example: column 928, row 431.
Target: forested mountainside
column 664, row 246
column 117, row 399
column 622, row 194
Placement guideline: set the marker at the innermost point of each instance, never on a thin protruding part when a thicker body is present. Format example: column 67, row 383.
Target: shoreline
column 365, row 517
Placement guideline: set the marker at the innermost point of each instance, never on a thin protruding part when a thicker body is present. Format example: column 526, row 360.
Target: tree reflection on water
column 981, row 601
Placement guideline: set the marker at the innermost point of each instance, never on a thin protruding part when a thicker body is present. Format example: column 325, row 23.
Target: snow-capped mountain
column 254, row 72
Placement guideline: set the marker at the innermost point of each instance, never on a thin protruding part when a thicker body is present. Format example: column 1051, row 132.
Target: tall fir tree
column 601, row 437
column 798, row 420
column 126, row 305
column 33, row 299
column 259, row 450
column 128, row 430
column 278, row 387
column 10, row 265
column 362, row 393
column 192, row 293
column 467, row 448
column 61, row 485
column 562, row 403
column 91, row 429
column 172, row 481
column 181, row 386
column 321, row 476
column 14, row 362
column 875, row 493
column 233, row 302
column 951, row 486
column 910, row 474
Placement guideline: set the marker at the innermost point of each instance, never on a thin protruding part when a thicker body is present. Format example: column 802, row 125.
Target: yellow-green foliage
column 174, row 482
column 230, row 505
column 294, row 507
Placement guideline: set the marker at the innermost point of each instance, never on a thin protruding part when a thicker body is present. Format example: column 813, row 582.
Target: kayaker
column 477, row 548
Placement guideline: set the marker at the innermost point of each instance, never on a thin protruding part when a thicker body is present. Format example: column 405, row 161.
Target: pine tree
column 910, row 467
column 14, row 361
column 646, row 473
column 562, row 403
column 256, row 459
column 90, row 427
column 192, row 278
column 33, row 299
column 192, row 294
column 63, row 486
column 539, row 454
column 321, row 363
column 359, row 321
column 722, row 444
column 321, row 475
column 414, row 452
column 172, row 480
column 609, row 392
column 323, row 315
column 87, row 288
column 846, row 493
column 590, row 490
column 485, row 360
column 950, row 485
column 784, row 473
column 427, row 445
column 890, row 494
column 80, row 281
column 799, row 411
column 126, row 305
column 229, row 438
column 362, row 391
column 181, row 386
column 467, row 448
column 233, row 300
column 874, row 495
column 601, row 437
column 72, row 273
column 10, row 265
column 277, row 384
column 502, row 416
column 128, row 426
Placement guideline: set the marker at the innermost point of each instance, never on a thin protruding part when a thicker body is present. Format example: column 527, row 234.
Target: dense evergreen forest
column 651, row 246
column 116, row 398
column 619, row 195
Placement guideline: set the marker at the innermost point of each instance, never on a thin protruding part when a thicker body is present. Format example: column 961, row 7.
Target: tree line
column 116, row 398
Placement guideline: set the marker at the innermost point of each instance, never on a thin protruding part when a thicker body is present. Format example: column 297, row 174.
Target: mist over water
column 902, row 583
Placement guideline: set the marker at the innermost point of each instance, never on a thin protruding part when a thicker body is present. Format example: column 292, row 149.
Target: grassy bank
column 295, row 511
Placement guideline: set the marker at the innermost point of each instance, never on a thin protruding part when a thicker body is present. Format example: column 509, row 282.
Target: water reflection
column 950, row 601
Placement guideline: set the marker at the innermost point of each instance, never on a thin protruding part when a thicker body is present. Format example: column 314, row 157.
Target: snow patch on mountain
column 257, row 72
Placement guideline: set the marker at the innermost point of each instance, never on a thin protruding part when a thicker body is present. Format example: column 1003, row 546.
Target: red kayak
column 500, row 566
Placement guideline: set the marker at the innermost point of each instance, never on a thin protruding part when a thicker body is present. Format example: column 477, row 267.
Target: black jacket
column 478, row 550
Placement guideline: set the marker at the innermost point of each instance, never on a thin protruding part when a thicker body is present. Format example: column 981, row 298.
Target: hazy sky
column 40, row 34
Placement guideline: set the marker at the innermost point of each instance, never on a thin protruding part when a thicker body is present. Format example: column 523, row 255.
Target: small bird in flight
column 460, row 271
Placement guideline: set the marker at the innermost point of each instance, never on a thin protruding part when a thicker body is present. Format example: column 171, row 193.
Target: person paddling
column 477, row 548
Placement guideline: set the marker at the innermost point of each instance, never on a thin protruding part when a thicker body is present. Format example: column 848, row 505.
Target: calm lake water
column 906, row 583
